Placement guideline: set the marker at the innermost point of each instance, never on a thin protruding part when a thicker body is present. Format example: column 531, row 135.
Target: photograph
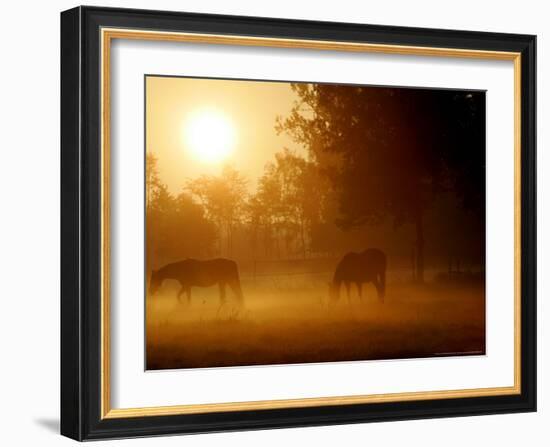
column 299, row 222
column 271, row 222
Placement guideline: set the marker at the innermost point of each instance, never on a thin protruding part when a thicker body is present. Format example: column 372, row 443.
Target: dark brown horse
column 359, row 268
column 194, row 273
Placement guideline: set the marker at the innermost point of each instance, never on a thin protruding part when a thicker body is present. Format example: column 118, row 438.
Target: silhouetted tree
column 288, row 201
column 267, row 203
column 302, row 192
column 170, row 220
column 223, row 197
column 389, row 151
column 255, row 220
column 152, row 181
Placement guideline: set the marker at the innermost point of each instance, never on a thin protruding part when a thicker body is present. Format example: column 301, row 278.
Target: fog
column 289, row 318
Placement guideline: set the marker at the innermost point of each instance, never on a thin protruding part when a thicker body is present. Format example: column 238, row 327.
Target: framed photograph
column 276, row 223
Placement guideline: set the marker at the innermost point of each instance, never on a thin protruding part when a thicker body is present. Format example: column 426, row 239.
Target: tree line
column 375, row 156
column 390, row 152
column 202, row 220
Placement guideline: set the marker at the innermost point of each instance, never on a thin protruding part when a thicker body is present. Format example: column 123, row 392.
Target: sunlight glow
column 209, row 135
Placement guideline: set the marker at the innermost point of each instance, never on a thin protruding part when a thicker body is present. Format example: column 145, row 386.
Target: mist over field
column 291, row 319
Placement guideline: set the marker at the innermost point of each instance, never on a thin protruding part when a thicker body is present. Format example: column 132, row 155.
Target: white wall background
column 29, row 219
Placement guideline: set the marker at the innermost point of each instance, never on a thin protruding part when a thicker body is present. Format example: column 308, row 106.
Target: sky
column 249, row 108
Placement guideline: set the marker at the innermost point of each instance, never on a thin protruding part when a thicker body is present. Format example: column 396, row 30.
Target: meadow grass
column 289, row 321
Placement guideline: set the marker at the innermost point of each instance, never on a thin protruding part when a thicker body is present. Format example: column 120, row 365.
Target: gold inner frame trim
column 107, row 35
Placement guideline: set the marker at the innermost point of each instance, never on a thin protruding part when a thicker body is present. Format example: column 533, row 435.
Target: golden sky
column 248, row 107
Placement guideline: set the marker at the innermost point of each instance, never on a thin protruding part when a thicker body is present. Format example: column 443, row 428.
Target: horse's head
column 155, row 283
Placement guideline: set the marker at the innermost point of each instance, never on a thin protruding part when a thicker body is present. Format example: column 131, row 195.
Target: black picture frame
column 81, row 224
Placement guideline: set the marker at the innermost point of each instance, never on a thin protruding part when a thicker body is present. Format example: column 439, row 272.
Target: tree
column 223, row 197
column 265, row 209
column 301, row 194
column 152, row 181
column 256, row 218
column 390, row 151
column 170, row 219
column 287, row 203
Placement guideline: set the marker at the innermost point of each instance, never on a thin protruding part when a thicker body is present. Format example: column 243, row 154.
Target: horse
column 194, row 273
column 359, row 268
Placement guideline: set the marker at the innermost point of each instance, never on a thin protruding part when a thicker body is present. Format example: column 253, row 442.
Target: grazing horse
column 192, row 272
column 359, row 268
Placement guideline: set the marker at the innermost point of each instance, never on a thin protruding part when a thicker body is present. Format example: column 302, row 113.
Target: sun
column 209, row 135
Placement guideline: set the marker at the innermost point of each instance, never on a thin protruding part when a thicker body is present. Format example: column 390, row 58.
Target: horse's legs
column 378, row 286
column 382, row 283
column 347, row 291
column 188, row 295
column 221, row 286
column 180, row 293
column 236, row 287
column 360, row 290
column 222, row 293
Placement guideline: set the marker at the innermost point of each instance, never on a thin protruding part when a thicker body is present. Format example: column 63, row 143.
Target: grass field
column 293, row 321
